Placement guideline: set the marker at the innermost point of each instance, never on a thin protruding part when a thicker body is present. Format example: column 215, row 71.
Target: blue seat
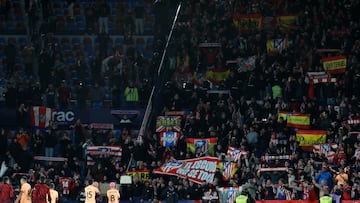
column 58, row 12
column 119, row 41
column 70, row 61
column 149, row 41
column 3, row 41
column 22, row 41
column 66, row 47
column 140, row 48
column 75, row 40
column 80, row 25
column 10, row 25
column 70, row 27
column 19, row 18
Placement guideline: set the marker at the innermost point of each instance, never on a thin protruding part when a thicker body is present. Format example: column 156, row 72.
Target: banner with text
column 308, row 138
column 202, row 145
column 169, row 139
column 336, row 64
column 141, row 175
column 199, row 170
column 168, row 123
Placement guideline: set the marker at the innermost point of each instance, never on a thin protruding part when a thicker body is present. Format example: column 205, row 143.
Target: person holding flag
column 113, row 194
column 6, row 191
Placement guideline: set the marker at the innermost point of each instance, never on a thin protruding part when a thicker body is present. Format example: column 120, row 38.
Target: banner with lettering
column 97, row 152
column 199, row 170
column 141, row 175
column 202, row 145
column 334, row 65
column 228, row 194
column 308, row 138
column 298, row 120
column 169, row 139
column 168, row 123
column 276, row 45
column 247, row 22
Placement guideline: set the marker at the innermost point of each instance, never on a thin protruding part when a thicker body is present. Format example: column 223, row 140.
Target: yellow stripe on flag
column 301, row 121
column 335, row 64
column 308, row 138
column 283, row 115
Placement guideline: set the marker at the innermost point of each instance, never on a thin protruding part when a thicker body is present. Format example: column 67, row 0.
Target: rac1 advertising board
column 66, row 117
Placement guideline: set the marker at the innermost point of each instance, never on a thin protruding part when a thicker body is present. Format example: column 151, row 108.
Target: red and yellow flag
column 298, row 120
column 283, row 114
column 308, row 138
column 247, row 22
column 334, row 65
column 287, row 22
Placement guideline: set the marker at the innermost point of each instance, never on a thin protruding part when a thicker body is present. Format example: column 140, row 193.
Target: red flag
column 41, row 116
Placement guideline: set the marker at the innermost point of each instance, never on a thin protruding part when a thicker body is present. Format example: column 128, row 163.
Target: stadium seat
column 119, row 41
column 149, row 41
column 66, row 47
column 10, row 25
column 76, row 41
column 58, row 12
column 80, row 25
column 87, row 41
column 70, row 61
column 140, row 41
column 70, row 27
column 22, row 41
column 2, row 41
column 65, row 40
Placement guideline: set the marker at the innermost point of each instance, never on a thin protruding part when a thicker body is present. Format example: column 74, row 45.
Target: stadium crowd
column 246, row 118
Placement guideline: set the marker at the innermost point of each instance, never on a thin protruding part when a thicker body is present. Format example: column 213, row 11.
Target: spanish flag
column 287, row 22
column 228, row 169
column 298, row 120
column 202, row 145
column 334, row 65
column 308, row 138
column 283, row 115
